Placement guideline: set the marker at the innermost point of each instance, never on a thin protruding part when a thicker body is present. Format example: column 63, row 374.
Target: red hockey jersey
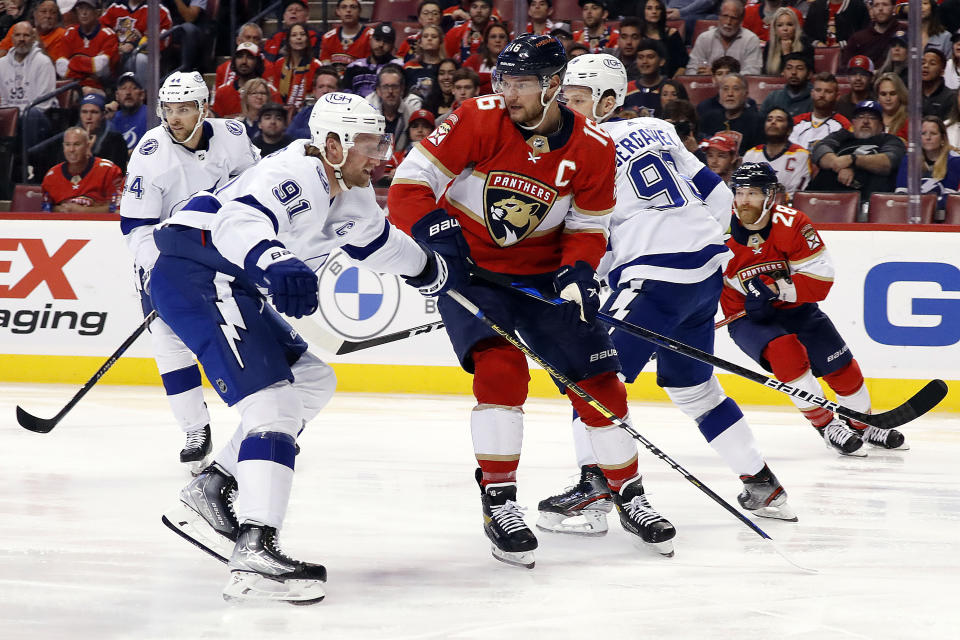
column 122, row 20
column 90, row 54
column 789, row 252
column 527, row 203
column 336, row 50
column 101, row 181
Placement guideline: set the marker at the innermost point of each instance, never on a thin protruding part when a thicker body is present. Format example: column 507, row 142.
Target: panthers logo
column 514, row 206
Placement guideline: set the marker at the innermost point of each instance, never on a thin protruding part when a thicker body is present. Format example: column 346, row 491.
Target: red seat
column 826, row 59
column 27, row 198
column 391, row 10
column 679, row 25
column 953, row 209
column 9, row 116
column 891, row 208
column 405, row 29
column 828, row 207
column 700, row 26
column 759, row 87
column 566, row 10
column 699, row 88
column 68, row 99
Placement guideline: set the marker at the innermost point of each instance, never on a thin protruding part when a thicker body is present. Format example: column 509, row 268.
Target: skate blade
column 778, row 512
column 859, row 453
column 588, row 523
column 664, row 548
column 516, row 558
column 190, row 525
column 903, row 447
column 196, row 467
column 248, row 586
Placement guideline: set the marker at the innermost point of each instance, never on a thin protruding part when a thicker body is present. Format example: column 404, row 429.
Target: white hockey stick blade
column 315, row 335
column 783, row 555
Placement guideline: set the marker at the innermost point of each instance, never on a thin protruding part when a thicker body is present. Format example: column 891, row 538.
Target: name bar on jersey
column 766, row 267
column 637, row 139
column 501, row 180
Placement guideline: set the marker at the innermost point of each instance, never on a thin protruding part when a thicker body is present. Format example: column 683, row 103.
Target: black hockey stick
column 45, row 425
column 614, row 418
column 339, row 346
column 921, row 402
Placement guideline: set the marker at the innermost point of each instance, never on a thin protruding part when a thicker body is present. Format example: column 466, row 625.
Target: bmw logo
column 356, row 302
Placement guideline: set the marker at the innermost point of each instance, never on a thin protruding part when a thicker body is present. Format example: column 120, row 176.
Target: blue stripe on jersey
column 129, row 224
column 719, row 419
column 362, row 253
column 680, row 260
column 204, row 204
column 252, row 202
column 705, row 181
column 270, row 445
column 181, row 380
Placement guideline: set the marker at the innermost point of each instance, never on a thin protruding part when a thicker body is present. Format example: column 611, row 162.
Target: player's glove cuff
column 579, row 285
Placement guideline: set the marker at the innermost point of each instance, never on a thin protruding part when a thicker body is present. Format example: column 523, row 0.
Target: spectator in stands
column 953, row 124
column 462, row 41
column 937, row 98
column 596, row 34
column 326, row 81
column 729, row 38
column 421, row 70
column 941, row 162
column 737, row 115
column 831, row 23
column 643, row 94
column 760, row 17
column 874, row 40
column 495, row 39
column 293, row 74
column 460, row 12
column 429, row 14
column 785, row 38
column 422, row 123
column 815, row 125
column 626, row 49
column 389, row 100
column 14, row 11
column 892, row 97
column 298, row 12
column 670, row 91
column 682, row 115
column 932, row 31
column 653, row 24
column 82, row 183
column 540, row 12
column 563, row 33
column 577, row 49
column 794, row 98
column 440, row 101
column 195, row 33
column 129, row 21
column 690, row 11
column 272, row 123
column 951, row 75
column 718, row 69
column 90, row 51
column 350, row 41
column 46, row 21
column 129, row 117
column 246, row 65
column 861, row 86
column 250, row 32
column 789, row 160
column 361, row 75
column 106, row 142
column 896, row 60
column 255, row 94
column 466, row 85
column 25, row 75
column 721, row 152
column 865, row 159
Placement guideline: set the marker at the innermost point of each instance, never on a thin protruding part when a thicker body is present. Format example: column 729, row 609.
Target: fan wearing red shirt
column 129, row 21
column 83, row 183
column 46, row 20
column 596, row 34
column 294, row 12
column 465, row 39
column 348, row 42
column 91, row 51
column 758, row 17
column 246, row 64
column 428, row 15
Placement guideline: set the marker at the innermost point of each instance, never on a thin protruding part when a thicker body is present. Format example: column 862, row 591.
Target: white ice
column 384, row 496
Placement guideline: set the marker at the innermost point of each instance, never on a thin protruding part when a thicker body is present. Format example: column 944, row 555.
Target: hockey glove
column 759, row 301
column 448, row 255
column 291, row 285
column 580, row 287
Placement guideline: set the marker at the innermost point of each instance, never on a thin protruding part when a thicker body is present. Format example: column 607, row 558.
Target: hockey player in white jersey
column 272, row 228
column 664, row 263
column 187, row 153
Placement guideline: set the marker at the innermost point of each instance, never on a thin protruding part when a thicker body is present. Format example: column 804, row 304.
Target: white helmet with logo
column 184, row 86
column 599, row 72
column 348, row 116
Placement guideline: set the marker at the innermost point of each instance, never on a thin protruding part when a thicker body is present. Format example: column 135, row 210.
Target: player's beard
column 749, row 215
column 526, row 116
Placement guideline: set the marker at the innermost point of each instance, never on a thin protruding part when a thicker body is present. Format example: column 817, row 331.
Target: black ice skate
column 513, row 542
column 890, row 439
column 641, row 519
column 260, row 571
column 842, row 439
column 195, row 451
column 763, row 495
column 580, row 510
column 205, row 515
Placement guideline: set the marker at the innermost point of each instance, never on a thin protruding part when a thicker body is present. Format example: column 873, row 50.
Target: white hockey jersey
column 286, row 197
column 671, row 213
column 162, row 176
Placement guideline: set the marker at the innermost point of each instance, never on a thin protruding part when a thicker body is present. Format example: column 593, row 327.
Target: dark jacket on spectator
column 852, row 17
column 794, row 104
column 266, row 148
column 844, row 143
column 749, row 124
column 868, row 42
column 939, row 102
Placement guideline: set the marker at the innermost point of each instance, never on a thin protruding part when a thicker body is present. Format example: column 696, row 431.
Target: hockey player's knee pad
column 500, row 374
column 698, row 400
column 608, row 389
column 787, row 357
column 847, row 381
column 274, row 408
column 314, row 381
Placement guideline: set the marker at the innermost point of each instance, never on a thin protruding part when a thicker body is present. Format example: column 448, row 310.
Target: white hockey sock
column 616, row 453
column 497, row 438
column 859, row 400
column 738, row 449
column 264, row 491
column 582, row 445
column 227, row 456
column 809, row 383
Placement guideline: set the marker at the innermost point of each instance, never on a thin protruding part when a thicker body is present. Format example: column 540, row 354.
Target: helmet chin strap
column 545, row 105
column 761, row 222
column 337, row 169
column 201, row 109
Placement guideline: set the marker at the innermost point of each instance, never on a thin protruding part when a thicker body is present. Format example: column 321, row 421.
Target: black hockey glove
column 759, row 301
column 580, row 287
column 448, row 255
column 291, row 284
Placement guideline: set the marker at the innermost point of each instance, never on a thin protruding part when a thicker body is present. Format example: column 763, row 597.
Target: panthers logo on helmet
column 514, row 206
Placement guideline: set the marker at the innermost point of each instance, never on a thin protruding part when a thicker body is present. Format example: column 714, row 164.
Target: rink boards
column 67, row 300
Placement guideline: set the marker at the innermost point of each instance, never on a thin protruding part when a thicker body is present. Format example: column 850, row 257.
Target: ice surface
column 384, row 497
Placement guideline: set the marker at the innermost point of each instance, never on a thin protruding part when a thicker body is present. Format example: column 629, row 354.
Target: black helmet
column 532, row 55
column 755, row 174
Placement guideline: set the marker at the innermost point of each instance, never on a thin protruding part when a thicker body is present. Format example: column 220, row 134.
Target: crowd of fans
column 822, row 130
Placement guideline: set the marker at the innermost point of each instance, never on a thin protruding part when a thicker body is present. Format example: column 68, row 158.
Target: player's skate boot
column 582, row 509
column 259, row 570
column 512, row 541
column 880, row 438
column 195, row 451
column 763, row 495
column 842, row 439
column 641, row 519
column 205, row 515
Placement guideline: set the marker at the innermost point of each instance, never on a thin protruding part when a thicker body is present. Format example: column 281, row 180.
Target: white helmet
column 182, row 86
column 599, row 72
column 348, row 116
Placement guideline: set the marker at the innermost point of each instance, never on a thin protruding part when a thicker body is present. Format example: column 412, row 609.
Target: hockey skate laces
column 196, row 437
column 509, row 516
column 640, row 510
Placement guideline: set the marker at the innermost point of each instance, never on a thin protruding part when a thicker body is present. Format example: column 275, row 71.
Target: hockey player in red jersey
column 532, row 186
column 780, row 270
